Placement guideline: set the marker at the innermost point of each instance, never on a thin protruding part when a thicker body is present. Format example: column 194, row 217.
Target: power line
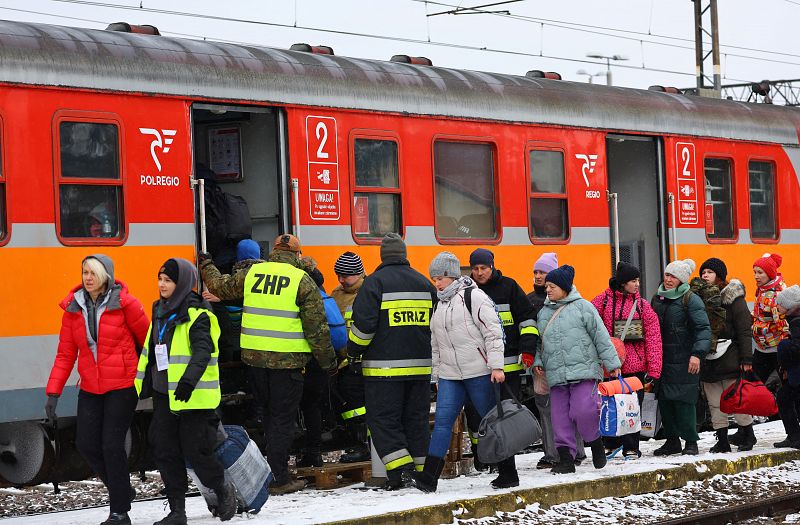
column 598, row 30
column 364, row 35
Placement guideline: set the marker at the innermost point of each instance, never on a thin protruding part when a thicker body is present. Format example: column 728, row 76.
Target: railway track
column 767, row 507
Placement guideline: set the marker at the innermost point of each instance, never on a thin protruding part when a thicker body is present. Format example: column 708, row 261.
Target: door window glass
column 762, row 201
column 719, row 192
column 549, row 219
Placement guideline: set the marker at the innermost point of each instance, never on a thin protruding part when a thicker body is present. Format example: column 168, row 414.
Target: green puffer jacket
column 577, row 344
column 685, row 332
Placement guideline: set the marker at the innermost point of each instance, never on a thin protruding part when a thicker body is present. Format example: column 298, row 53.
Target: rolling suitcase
column 245, row 467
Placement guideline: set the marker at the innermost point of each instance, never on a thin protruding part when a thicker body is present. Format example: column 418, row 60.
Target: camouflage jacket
column 226, row 287
column 315, row 326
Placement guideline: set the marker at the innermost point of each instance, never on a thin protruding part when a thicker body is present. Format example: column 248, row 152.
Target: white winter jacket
column 464, row 345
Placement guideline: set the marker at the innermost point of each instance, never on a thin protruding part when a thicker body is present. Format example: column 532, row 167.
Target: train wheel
column 26, row 453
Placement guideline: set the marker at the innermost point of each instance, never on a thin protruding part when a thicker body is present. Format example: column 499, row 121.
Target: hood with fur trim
column 732, row 291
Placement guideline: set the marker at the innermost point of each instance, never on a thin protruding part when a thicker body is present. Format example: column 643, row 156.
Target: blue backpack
column 335, row 322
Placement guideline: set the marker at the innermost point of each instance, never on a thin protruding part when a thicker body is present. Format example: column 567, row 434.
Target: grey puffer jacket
column 463, row 345
column 577, row 344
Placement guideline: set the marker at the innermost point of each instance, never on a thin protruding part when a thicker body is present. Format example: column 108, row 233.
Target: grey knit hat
column 393, row 248
column 789, row 298
column 681, row 269
column 445, row 264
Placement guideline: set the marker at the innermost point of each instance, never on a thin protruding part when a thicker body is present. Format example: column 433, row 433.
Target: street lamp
column 590, row 75
column 608, row 59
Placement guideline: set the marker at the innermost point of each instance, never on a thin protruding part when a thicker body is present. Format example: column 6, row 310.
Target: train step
column 334, row 475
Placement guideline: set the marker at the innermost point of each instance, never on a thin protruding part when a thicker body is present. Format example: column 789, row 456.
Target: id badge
column 162, row 363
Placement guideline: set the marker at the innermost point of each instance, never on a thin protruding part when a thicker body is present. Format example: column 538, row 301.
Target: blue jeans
column 449, row 402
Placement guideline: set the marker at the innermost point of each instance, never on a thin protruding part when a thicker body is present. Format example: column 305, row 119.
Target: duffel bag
column 245, row 467
column 506, row 429
column 748, row 397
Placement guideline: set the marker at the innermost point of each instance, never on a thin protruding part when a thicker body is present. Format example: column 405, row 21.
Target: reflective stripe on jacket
column 206, row 394
column 271, row 317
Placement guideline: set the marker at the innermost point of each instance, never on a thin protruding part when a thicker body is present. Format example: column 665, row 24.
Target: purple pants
column 578, row 404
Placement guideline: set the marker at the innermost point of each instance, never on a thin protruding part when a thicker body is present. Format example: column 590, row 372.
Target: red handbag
column 748, row 397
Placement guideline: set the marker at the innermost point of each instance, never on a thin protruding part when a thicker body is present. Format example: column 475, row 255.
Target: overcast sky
column 535, row 31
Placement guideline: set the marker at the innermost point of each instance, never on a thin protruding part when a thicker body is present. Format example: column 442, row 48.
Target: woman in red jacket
column 104, row 328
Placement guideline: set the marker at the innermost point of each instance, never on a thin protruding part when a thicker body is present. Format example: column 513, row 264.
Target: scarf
column 454, row 287
column 673, row 293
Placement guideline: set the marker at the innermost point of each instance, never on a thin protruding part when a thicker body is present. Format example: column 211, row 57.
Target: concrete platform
column 472, row 496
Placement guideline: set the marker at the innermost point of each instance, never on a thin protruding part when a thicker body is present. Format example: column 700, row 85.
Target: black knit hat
column 563, row 276
column 717, row 266
column 348, row 263
column 170, row 269
column 626, row 272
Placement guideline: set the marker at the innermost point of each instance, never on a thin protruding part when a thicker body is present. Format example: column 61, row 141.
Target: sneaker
column 293, row 485
column 631, row 454
column 355, row 455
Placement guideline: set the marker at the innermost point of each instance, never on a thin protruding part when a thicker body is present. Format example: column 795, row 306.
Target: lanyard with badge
column 162, row 362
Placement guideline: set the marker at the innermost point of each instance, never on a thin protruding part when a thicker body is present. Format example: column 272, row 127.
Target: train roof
column 41, row 54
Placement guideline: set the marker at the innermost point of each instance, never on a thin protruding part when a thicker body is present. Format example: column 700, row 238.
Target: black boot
column 722, row 441
column 736, row 438
column 117, row 518
column 791, row 441
column 508, row 477
column 399, row 478
column 226, row 501
column 311, row 460
column 177, row 513
column 428, row 479
column 355, row 455
column 748, row 439
column 478, row 464
column 598, row 453
column 672, row 446
column 566, row 464
column 690, row 449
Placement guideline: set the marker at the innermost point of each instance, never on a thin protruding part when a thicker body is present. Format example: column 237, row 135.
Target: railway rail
column 766, row 507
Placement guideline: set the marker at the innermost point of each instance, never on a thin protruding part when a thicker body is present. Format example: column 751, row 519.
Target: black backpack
column 227, row 216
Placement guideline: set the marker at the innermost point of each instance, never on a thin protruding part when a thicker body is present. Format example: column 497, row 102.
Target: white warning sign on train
column 686, row 182
column 323, row 168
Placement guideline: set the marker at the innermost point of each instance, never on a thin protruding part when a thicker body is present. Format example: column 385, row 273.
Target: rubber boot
column 672, row 446
column 428, row 479
column 117, row 518
column 508, row 476
column 226, row 502
column 598, row 453
column 399, row 478
column 722, row 444
column 748, row 439
column 565, row 465
column 177, row 513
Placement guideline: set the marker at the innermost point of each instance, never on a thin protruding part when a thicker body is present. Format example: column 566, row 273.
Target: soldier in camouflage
column 277, row 294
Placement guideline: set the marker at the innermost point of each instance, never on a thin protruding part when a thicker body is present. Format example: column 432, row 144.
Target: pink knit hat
column 546, row 263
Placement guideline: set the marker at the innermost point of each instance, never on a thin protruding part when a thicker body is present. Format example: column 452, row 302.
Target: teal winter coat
column 577, row 344
column 685, row 332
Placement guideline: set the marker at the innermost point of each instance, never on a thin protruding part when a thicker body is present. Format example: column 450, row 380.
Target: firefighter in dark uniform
column 521, row 335
column 390, row 339
column 349, row 271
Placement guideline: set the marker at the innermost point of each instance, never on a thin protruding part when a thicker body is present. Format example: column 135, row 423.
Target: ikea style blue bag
column 620, row 414
column 245, row 467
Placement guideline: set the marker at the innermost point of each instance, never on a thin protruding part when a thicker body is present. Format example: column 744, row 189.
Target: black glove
column 184, row 391
column 50, row 409
column 203, row 256
column 656, row 387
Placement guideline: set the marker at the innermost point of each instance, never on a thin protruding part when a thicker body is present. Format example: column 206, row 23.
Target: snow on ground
column 314, row 506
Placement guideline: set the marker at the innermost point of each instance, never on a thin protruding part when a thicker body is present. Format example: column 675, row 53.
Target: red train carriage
column 101, row 134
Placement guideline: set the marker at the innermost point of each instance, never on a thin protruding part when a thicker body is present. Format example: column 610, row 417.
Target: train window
column 3, row 228
column 548, row 198
column 465, row 196
column 719, row 195
column 90, row 184
column 762, row 200
column 377, row 206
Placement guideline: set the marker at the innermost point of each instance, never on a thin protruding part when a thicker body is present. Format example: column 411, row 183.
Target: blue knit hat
column 481, row 256
column 247, row 249
column 562, row 277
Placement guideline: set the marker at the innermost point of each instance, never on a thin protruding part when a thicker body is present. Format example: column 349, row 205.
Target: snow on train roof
column 87, row 58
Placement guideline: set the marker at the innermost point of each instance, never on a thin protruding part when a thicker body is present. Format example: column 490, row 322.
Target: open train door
column 240, row 151
column 636, row 188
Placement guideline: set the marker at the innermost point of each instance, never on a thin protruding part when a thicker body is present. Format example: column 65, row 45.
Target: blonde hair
column 97, row 268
